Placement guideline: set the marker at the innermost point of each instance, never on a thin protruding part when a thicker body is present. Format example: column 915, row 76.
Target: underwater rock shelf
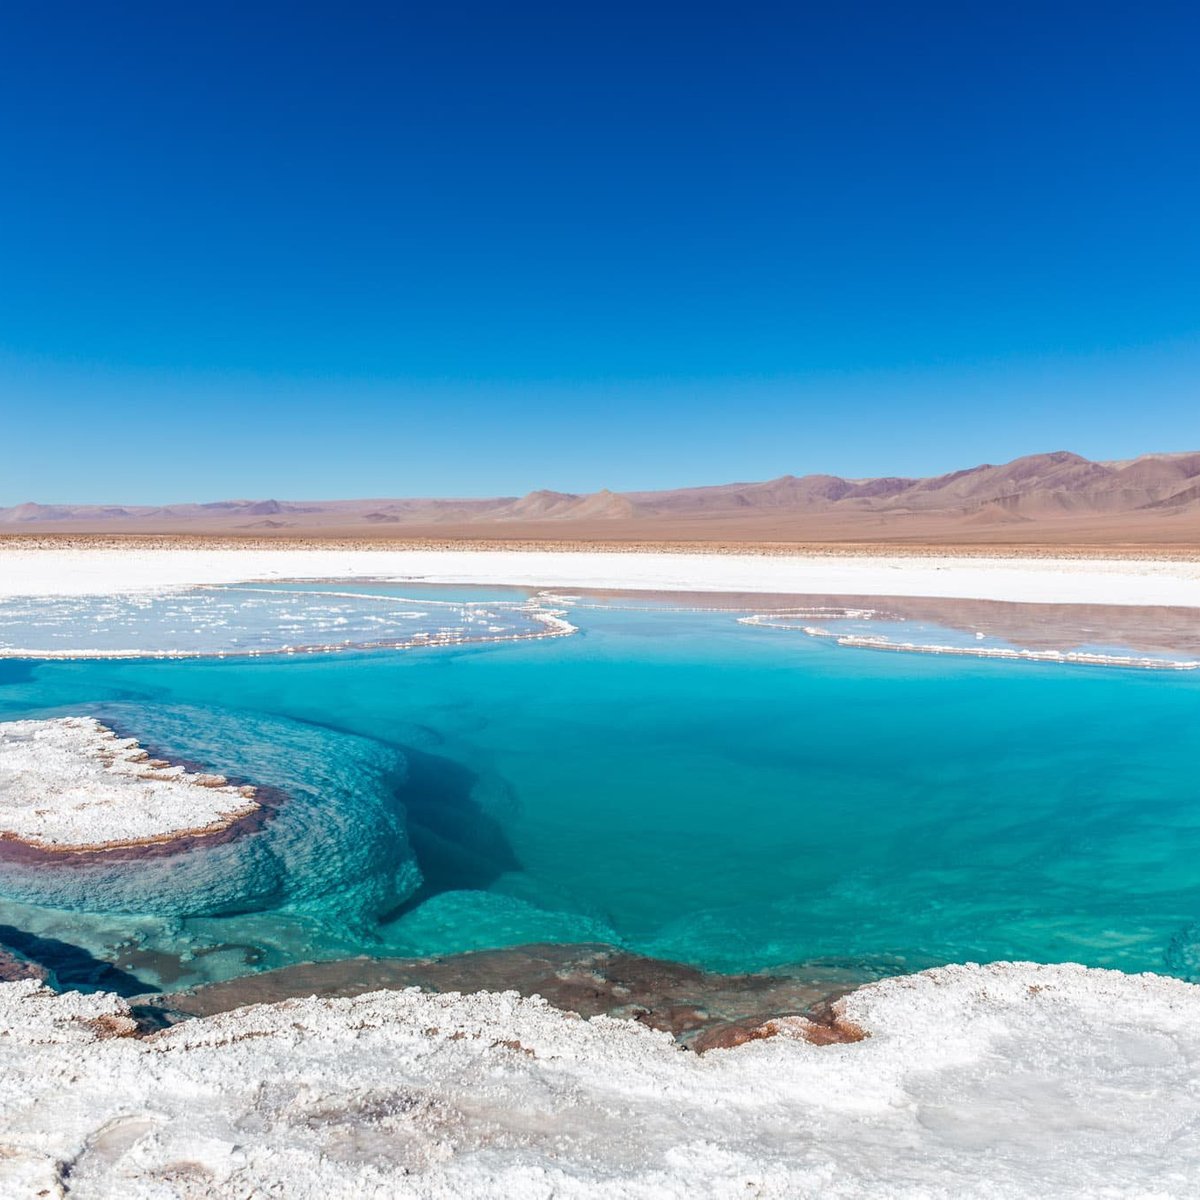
column 702, row 1010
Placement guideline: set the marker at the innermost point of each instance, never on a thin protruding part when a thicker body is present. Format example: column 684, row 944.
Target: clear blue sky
column 467, row 249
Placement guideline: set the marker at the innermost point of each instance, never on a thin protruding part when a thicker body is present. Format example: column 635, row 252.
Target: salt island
column 71, row 784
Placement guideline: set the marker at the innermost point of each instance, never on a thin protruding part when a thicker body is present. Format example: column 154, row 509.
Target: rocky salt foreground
column 1006, row 1080
column 72, row 784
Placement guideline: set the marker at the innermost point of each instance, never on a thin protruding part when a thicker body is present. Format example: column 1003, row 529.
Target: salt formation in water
column 72, row 784
column 253, row 621
column 333, row 847
column 852, row 627
column 1009, row 1080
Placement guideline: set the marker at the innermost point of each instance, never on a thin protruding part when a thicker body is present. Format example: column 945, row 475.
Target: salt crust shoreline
column 1008, row 1080
column 76, row 571
column 70, row 784
column 785, row 620
column 553, row 623
column 1078, row 658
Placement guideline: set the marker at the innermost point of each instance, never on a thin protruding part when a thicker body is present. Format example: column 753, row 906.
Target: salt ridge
column 781, row 620
column 1074, row 657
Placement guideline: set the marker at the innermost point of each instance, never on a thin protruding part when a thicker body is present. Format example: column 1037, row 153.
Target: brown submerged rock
column 821, row 1028
column 703, row 1010
column 14, row 967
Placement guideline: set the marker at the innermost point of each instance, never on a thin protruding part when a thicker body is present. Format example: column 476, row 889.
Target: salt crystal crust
column 1050, row 580
column 71, row 784
column 1008, row 1080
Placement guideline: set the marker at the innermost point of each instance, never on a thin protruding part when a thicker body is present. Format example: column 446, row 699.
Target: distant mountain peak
column 1057, row 493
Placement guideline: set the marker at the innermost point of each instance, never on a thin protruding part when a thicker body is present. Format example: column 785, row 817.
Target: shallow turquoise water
column 254, row 619
column 702, row 790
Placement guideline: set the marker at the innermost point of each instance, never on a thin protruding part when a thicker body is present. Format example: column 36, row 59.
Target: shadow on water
column 15, row 670
column 73, row 968
column 459, row 845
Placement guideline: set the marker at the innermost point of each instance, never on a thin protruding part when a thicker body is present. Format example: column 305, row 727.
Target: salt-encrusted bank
column 1004, row 1081
column 795, row 620
column 52, row 571
column 73, row 784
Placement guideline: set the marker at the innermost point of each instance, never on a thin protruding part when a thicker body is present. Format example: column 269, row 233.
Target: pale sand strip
column 54, row 571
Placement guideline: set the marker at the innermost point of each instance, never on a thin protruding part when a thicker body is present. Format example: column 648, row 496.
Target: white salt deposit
column 72, row 783
column 1073, row 657
column 1010, row 1080
column 61, row 572
column 795, row 620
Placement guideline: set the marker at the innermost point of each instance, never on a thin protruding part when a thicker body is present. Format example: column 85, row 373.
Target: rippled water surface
column 674, row 782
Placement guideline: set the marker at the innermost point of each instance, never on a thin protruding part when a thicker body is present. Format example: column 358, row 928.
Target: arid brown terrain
column 1057, row 499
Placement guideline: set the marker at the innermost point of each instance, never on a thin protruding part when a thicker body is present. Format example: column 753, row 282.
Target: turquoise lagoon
column 669, row 781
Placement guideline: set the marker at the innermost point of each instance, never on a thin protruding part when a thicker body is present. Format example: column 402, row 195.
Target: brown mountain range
column 1058, row 498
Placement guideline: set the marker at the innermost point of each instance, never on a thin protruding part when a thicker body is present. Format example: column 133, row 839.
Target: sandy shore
column 52, row 569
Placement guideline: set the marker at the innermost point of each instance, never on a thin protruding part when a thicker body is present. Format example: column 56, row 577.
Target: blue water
column 672, row 782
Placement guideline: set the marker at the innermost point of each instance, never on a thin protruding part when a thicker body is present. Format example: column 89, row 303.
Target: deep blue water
column 676, row 783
